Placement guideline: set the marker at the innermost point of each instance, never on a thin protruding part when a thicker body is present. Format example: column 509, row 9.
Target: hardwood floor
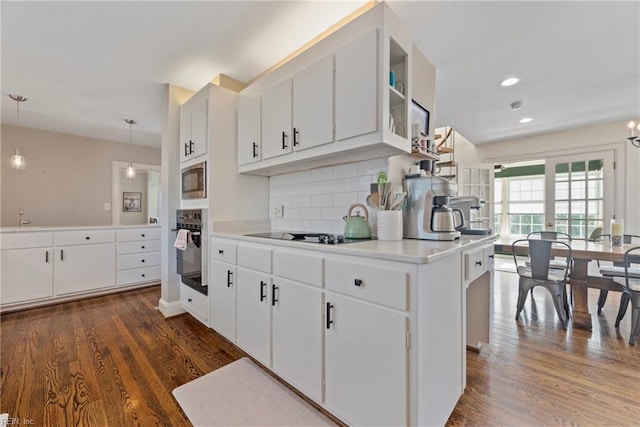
column 114, row 361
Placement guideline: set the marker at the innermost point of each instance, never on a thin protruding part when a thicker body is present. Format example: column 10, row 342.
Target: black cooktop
column 325, row 238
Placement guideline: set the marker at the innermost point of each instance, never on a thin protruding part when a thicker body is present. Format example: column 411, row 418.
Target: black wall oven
column 189, row 265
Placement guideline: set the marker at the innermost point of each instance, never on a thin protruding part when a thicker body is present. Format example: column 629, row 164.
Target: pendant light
column 131, row 172
column 17, row 160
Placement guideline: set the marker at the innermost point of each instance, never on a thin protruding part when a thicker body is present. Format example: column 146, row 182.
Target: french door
column 579, row 193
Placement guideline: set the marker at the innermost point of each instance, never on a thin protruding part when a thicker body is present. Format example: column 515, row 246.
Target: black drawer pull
column 284, row 140
column 61, row 254
column 220, row 251
column 273, row 294
column 479, row 263
column 185, row 149
column 46, row 256
column 491, row 256
column 329, row 321
column 190, row 147
column 357, row 282
column 255, row 150
column 263, row 295
column 143, row 235
column 143, row 275
column 87, row 238
column 229, row 276
column 142, row 246
column 295, row 135
column 189, row 300
column 142, row 261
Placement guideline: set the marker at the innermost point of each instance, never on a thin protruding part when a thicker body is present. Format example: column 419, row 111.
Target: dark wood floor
column 114, row 361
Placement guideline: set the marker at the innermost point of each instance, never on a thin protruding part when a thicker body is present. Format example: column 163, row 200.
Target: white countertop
column 47, row 228
column 408, row 250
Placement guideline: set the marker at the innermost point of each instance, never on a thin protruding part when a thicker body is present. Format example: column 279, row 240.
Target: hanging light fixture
column 131, row 172
column 17, row 160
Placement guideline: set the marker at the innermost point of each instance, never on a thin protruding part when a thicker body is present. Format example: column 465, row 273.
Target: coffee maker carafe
column 426, row 215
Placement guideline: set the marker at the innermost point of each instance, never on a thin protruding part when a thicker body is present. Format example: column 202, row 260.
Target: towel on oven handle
column 183, row 238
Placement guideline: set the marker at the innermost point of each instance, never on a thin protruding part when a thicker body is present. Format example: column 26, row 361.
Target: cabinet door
column 222, row 299
column 27, row 274
column 249, row 141
column 313, row 105
column 297, row 336
column 84, row 268
column 276, row 120
column 199, row 128
column 185, row 132
column 253, row 315
column 365, row 347
column 357, row 87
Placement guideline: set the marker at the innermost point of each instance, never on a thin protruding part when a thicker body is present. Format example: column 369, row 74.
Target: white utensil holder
column 390, row 225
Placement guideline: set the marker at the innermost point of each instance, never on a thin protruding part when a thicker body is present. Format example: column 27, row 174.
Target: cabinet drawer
column 255, row 258
column 26, row 240
column 488, row 253
column 474, row 264
column 138, row 247
column 301, row 268
column 134, row 234
column 68, row 238
column 380, row 285
column 223, row 251
column 193, row 301
column 138, row 260
column 138, row 275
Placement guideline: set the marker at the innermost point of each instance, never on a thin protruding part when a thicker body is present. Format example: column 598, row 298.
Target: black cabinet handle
column 263, row 295
column 478, row 262
column 143, row 275
column 189, row 300
column 329, row 321
column 492, row 256
column 87, row 238
column 229, row 276
column 357, row 282
column 61, row 254
column 273, row 294
column 142, row 235
column 185, row 149
column 142, row 261
column 190, row 147
column 142, row 247
column 220, row 251
column 295, row 137
column 46, row 256
column 255, row 150
column 284, row 140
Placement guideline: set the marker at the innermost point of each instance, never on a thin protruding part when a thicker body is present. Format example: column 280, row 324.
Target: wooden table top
column 580, row 249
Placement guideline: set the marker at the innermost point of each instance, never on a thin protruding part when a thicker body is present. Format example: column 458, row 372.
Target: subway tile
column 310, row 213
column 333, row 186
column 345, row 199
column 285, row 179
column 332, row 213
column 321, row 200
column 301, row 202
column 292, row 190
column 322, row 226
column 372, row 167
column 345, row 171
column 337, row 227
column 300, row 225
column 361, row 183
column 321, row 174
column 301, row 177
column 291, row 213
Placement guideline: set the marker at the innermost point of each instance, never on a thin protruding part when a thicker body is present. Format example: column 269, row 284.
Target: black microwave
column 194, row 181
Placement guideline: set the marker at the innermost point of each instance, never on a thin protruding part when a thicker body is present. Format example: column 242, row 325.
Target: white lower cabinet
column 27, row 274
column 84, row 268
column 222, row 299
column 297, row 336
column 253, row 315
column 194, row 302
column 366, row 362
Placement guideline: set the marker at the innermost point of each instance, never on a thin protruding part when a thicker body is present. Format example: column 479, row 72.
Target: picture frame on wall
column 420, row 118
column 131, row 201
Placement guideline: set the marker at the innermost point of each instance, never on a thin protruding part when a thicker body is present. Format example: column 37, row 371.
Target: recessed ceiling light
column 510, row 81
column 525, row 120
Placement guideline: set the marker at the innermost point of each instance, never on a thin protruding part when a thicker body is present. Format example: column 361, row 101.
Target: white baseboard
column 170, row 309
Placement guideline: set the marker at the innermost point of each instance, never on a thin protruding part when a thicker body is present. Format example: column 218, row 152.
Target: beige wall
column 67, row 179
column 135, row 185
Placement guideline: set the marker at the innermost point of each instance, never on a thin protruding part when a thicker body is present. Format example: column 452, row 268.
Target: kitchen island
column 47, row 265
column 375, row 332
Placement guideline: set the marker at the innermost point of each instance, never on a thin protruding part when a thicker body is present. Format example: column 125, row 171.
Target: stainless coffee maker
column 470, row 206
column 427, row 215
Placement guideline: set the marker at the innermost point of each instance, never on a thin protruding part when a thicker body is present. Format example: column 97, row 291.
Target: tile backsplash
column 317, row 199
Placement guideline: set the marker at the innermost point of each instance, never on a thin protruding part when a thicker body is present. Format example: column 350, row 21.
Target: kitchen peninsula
column 48, row 265
column 374, row 331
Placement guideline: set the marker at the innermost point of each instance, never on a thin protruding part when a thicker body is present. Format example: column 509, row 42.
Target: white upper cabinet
column 276, row 120
column 193, row 128
column 337, row 99
column 249, row 140
column 313, row 105
column 356, row 86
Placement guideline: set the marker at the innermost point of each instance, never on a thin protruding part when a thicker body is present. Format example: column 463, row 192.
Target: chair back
column 631, row 256
column 539, row 252
column 549, row 235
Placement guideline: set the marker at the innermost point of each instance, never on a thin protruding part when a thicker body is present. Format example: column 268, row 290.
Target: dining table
column 582, row 252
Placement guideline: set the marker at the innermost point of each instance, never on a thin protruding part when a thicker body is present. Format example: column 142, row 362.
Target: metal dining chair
column 609, row 271
column 630, row 283
column 538, row 272
column 554, row 262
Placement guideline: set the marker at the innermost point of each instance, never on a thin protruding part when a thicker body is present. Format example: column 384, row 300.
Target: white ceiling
column 87, row 65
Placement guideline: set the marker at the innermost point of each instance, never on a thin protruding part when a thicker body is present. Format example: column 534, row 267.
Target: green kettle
column 357, row 227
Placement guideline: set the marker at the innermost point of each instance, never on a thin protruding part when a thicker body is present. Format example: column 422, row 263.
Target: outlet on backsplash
column 278, row 211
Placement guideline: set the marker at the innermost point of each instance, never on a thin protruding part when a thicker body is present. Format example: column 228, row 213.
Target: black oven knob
column 331, row 239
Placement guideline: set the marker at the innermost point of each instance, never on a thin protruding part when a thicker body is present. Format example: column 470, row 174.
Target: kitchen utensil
column 357, row 227
column 381, row 178
column 398, row 202
column 373, row 201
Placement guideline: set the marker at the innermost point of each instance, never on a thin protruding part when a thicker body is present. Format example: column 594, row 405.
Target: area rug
column 241, row 394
